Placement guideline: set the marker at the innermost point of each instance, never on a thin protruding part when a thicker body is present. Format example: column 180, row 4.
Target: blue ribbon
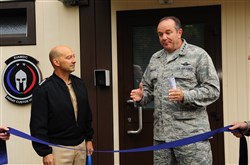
column 3, row 152
column 177, row 143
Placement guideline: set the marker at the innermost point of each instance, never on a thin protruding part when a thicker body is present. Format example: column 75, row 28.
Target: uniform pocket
column 185, row 77
column 185, row 115
column 153, row 76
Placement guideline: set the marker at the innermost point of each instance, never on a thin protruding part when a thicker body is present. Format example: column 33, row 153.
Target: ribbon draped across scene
column 243, row 160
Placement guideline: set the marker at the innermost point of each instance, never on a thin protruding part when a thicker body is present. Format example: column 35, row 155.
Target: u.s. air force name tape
column 173, row 144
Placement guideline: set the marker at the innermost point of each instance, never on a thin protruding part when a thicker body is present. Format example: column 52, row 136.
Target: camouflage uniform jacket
column 195, row 74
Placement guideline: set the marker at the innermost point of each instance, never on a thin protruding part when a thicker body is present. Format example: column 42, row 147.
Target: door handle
column 140, row 119
column 140, row 122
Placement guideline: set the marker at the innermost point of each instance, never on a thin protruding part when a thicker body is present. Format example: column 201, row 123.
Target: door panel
column 137, row 41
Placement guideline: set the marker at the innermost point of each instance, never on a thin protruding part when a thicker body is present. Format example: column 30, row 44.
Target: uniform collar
column 183, row 48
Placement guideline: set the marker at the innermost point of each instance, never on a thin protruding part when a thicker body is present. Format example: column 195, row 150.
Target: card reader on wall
column 101, row 77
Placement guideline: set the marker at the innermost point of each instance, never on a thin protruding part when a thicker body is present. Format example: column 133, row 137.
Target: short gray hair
column 175, row 19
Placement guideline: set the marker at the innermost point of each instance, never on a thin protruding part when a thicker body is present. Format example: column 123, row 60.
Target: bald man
column 60, row 112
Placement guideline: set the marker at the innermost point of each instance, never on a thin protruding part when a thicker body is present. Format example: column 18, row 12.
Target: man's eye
column 160, row 34
column 169, row 32
column 68, row 57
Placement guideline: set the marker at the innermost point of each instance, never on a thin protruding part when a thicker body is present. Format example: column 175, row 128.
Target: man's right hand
column 4, row 135
column 48, row 160
column 136, row 94
column 238, row 125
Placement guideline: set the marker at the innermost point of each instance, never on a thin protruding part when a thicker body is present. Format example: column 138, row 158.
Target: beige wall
column 55, row 24
column 235, row 49
column 236, row 67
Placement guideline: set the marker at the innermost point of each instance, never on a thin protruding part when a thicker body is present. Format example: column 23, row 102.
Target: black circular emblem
column 20, row 77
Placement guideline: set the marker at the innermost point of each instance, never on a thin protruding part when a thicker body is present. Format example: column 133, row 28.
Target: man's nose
column 74, row 60
column 164, row 36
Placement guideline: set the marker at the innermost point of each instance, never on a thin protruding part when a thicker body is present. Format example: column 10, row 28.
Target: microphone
column 172, row 82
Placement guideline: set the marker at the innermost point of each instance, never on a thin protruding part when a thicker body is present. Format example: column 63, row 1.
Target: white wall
column 55, row 24
column 236, row 67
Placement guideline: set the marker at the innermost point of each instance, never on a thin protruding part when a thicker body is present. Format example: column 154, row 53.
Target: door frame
column 95, row 53
column 186, row 15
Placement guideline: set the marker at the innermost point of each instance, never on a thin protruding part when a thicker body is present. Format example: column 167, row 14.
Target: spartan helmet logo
column 21, row 80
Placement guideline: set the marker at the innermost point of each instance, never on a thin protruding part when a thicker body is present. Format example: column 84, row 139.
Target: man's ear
column 180, row 31
column 56, row 62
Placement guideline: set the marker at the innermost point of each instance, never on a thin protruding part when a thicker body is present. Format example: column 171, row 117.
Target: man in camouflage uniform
column 179, row 112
